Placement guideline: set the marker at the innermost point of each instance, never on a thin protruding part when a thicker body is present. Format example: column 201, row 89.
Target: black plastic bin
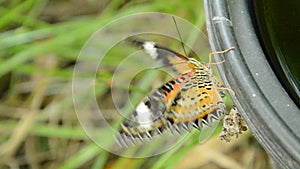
column 266, row 102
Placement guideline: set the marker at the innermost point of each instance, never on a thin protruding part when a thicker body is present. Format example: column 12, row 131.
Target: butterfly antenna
column 182, row 44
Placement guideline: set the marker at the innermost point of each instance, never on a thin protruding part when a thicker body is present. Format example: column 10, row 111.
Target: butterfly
column 187, row 101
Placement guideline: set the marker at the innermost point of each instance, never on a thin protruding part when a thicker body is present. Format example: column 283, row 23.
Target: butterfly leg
column 217, row 52
column 226, row 88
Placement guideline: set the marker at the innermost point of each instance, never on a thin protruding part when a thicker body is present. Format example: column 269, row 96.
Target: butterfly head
column 196, row 65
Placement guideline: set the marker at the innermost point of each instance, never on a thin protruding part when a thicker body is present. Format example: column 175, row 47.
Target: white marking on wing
column 150, row 49
column 144, row 115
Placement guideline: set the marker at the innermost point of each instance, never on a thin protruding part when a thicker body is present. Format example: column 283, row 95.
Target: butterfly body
column 191, row 99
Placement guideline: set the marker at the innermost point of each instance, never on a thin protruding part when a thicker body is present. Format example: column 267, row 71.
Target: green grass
column 38, row 124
